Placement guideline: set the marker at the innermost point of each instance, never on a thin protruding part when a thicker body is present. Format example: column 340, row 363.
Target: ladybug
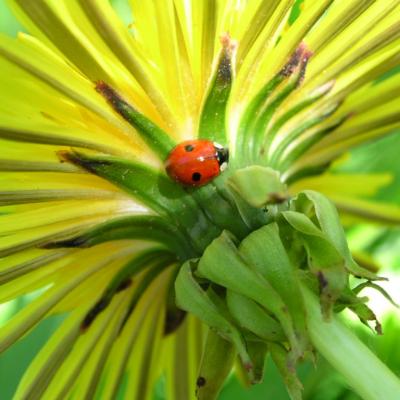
column 196, row 162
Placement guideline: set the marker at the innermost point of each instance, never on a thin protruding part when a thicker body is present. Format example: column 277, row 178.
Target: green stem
column 364, row 372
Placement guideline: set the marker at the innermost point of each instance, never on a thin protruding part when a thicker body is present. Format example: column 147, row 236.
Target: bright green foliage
column 255, row 279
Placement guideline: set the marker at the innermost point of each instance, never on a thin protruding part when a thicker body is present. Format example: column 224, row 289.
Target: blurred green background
column 320, row 382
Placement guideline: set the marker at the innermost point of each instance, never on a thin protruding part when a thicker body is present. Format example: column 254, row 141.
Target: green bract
column 258, row 286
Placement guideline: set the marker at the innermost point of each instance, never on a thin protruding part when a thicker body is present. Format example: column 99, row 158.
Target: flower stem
column 364, row 372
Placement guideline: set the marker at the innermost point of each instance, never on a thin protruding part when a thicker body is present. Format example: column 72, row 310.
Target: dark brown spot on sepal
column 124, row 285
column 173, row 320
column 201, row 381
column 102, row 304
column 323, row 283
column 93, row 313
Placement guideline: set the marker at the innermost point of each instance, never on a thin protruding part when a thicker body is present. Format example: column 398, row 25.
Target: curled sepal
column 380, row 289
column 320, row 208
column 258, row 185
column 212, row 119
column 192, row 298
column 158, row 140
column 222, row 263
column 216, row 363
column 252, row 317
column 280, row 358
column 323, row 259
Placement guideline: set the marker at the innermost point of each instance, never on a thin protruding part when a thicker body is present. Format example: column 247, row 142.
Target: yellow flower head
column 90, row 108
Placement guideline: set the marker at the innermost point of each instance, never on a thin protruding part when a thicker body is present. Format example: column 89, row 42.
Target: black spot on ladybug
column 189, row 147
column 201, row 381
column 196, row 176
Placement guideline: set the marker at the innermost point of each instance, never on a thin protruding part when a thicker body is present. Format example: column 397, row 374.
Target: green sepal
column 254, row 135
column 222, row 263
column 252, row 317
column 380, row 289
column 192, row 298
column 258, row 185
column 174, row 316
column 148, row 276
column 263, row 249
column 251, row 217
column 261, row 138
column 305, row 144
column 123, row 278
column 244, row 135
column 324, row 260
column 303, row 104
column 320, row 209
column 216, row 364
column 299, row 130
column 154, row 189
column 147, row 227
column 212, row 119
column 158, row 140
column 223, row 213
column 258, row 352
column 280, row 358
column 146, row 184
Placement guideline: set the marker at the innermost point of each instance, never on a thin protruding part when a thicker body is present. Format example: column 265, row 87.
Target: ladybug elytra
column 196, row 162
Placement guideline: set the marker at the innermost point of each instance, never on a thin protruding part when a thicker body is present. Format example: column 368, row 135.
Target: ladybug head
column 222, row 155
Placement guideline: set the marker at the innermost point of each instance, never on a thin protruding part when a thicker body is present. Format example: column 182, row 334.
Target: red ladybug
column 196, row 162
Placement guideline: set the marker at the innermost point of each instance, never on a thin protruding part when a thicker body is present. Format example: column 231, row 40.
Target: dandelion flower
column 90, row 222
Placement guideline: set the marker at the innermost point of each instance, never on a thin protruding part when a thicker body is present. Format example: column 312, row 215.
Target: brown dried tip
column 227, row 43
column 108, row 93
column 64, row 155
column 378, row 328
column 124, row 285
column 300, row 57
